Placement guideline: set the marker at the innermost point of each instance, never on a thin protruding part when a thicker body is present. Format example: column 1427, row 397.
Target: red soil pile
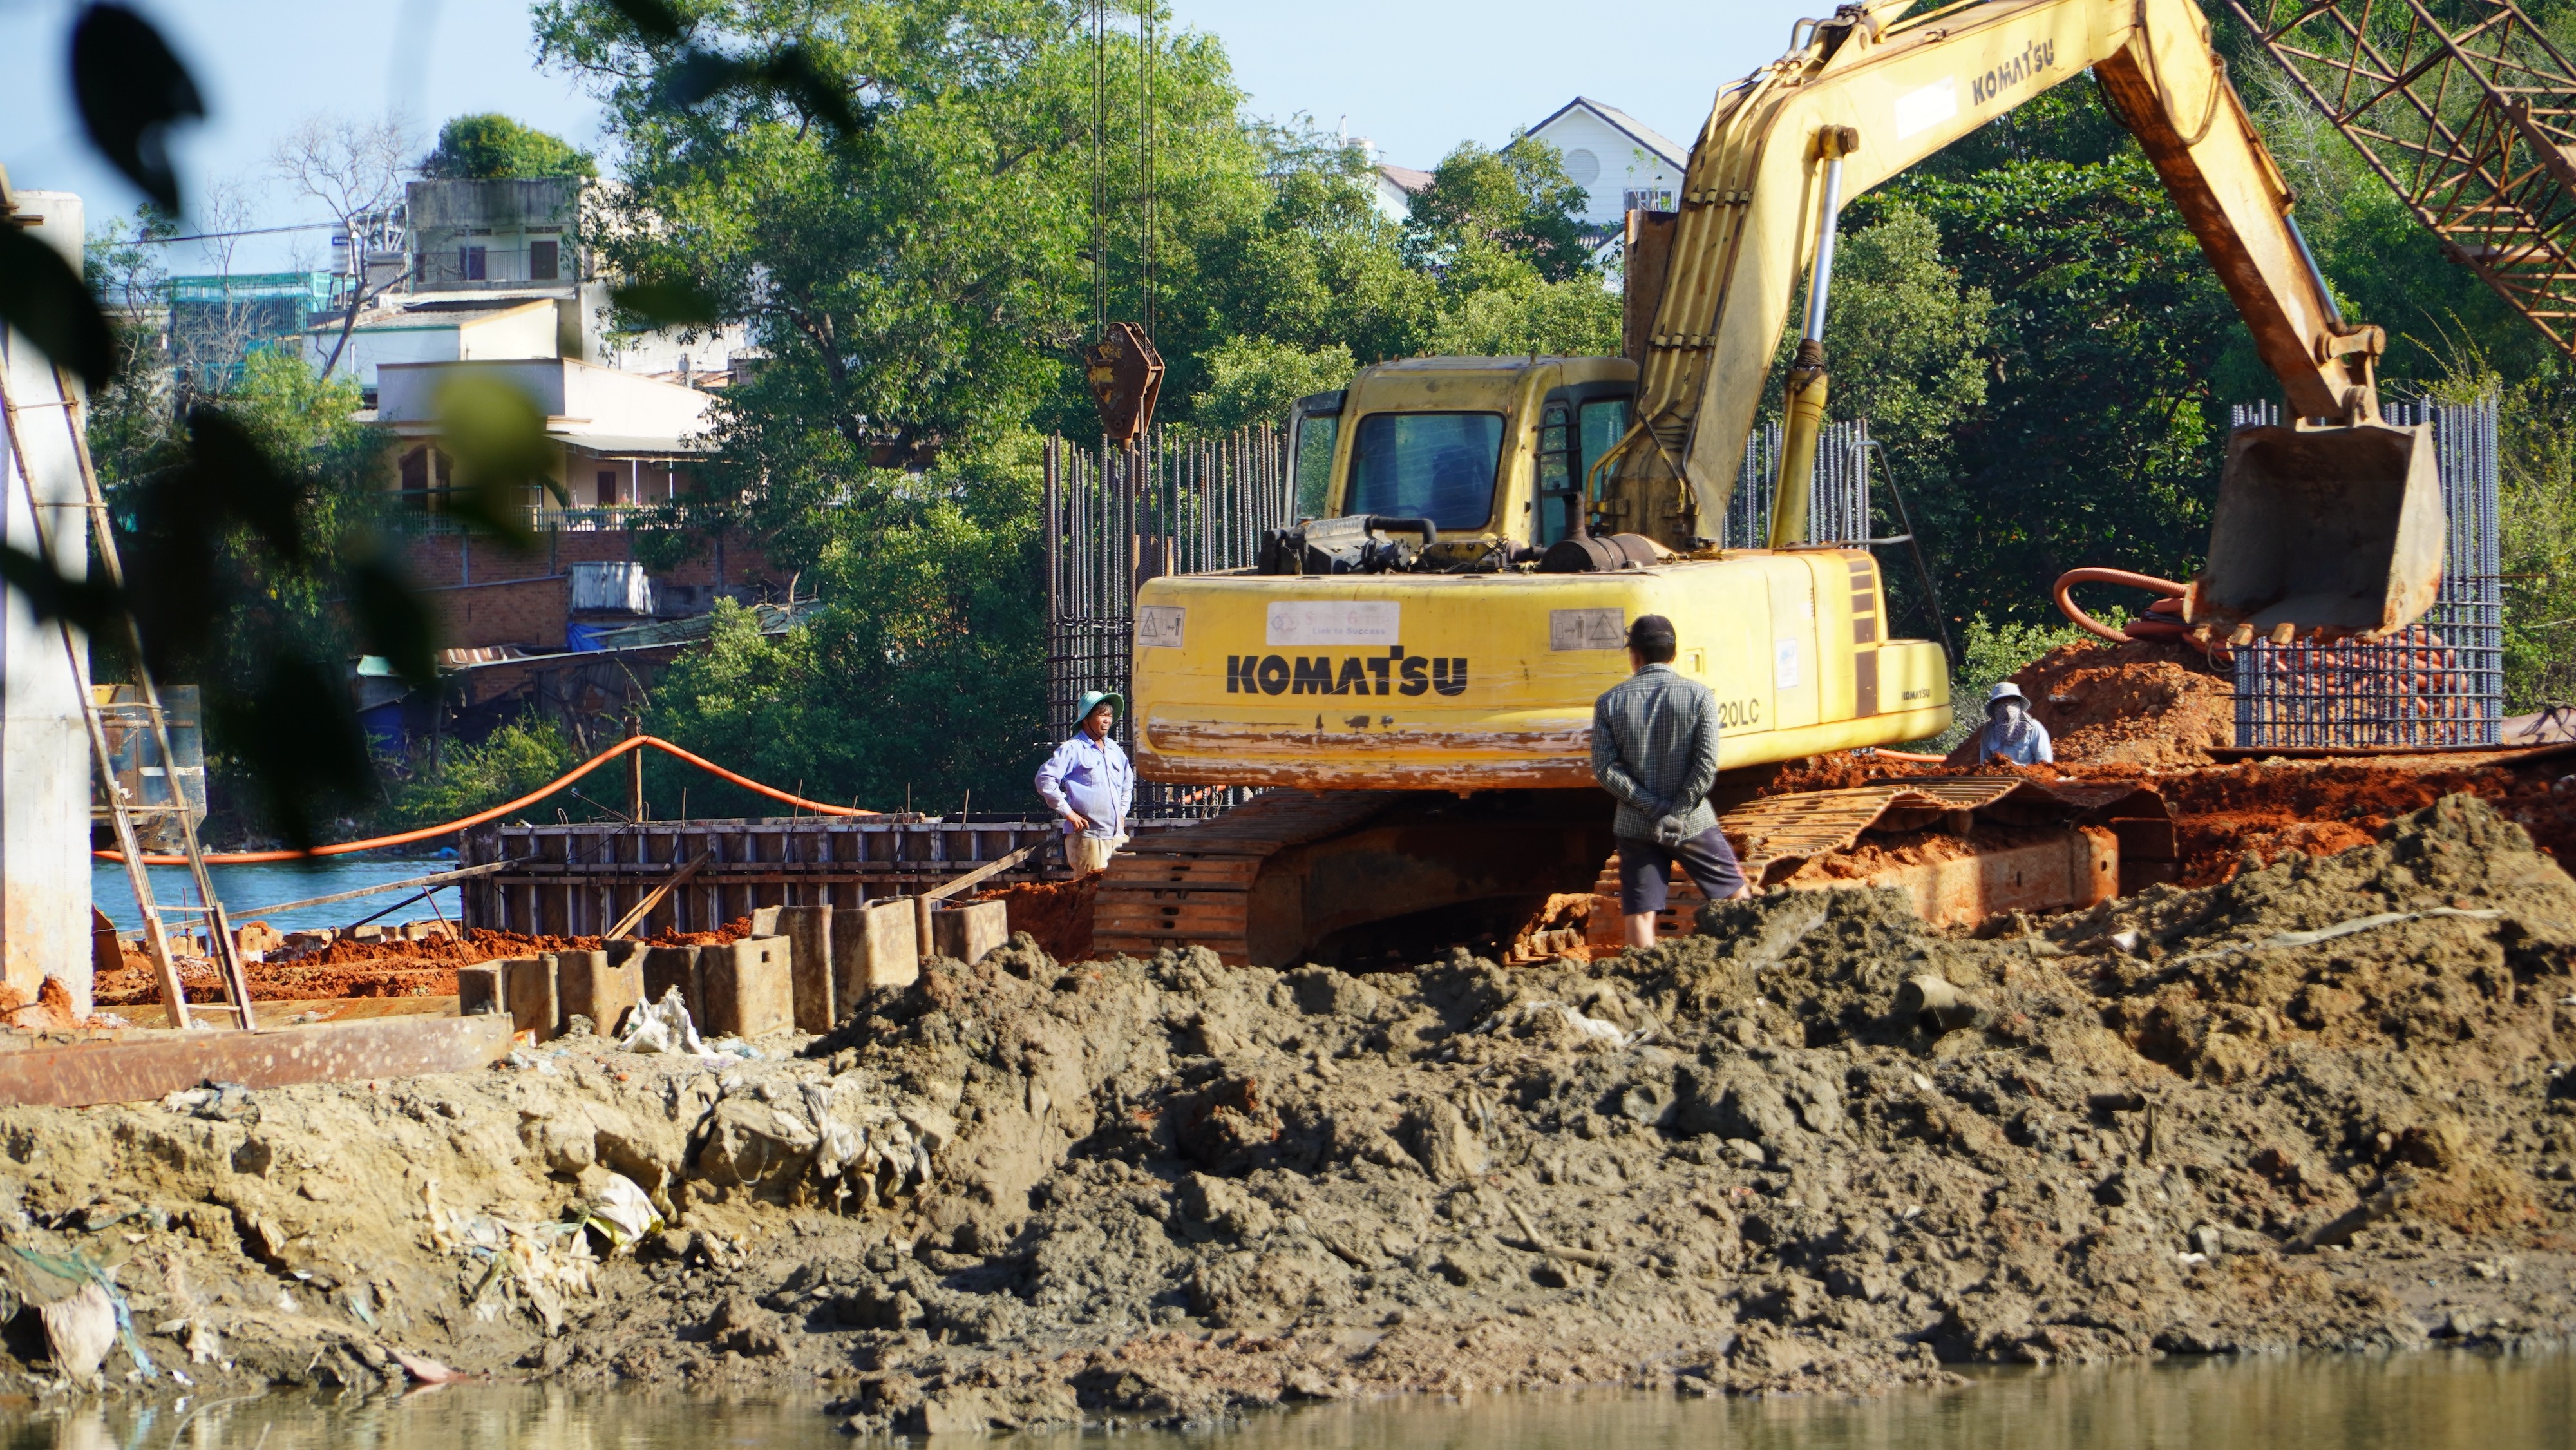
column 2147, row 702
column 388, row 968
column 1057, row 913
column 50, row 1012
column 2267, row 809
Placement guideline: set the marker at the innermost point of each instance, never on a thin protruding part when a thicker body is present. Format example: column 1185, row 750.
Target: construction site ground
column 2319, row 1095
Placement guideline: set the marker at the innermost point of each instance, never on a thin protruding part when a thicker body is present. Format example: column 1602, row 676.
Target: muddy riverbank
column 2325, row 1104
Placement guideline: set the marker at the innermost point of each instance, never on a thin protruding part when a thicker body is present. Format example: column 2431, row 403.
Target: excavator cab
column 2330, row 529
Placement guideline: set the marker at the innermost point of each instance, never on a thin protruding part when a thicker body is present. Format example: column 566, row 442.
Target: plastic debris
column 56, row 1274
column 623, row 1214
column 424, row 1369
column 2280, row 940
column 222, row 1102
column 79, row 1331
column 1592, row 1027
column 663, row 1026
column 531, row 1266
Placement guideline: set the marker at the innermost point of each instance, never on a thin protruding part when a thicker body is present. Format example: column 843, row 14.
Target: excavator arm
column 2331, row 524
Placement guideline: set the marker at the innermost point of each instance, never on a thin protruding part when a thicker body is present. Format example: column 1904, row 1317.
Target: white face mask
column 2009, row 711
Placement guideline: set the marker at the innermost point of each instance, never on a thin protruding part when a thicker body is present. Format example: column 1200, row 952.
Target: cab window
column 1557, row 478
column 1572, row 437
column 1313, row 427
column 1439, row 466
column 1602, row 422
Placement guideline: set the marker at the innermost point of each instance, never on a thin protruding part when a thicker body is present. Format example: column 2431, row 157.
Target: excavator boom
column 2332, row 523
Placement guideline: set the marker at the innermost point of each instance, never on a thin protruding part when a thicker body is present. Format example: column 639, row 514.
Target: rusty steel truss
column 2466, row 109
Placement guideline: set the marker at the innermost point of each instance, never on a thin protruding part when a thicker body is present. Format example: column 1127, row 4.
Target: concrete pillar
column 967, row 931
column 45, row 769
column 873, row 946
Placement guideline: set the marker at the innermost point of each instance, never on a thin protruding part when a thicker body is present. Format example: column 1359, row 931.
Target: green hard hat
column 1091, row 700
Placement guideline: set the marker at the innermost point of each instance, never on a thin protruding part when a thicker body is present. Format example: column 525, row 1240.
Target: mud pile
column 1819, row 1147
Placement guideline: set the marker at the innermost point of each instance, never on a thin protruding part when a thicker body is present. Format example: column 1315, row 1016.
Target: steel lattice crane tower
column 2468, row 111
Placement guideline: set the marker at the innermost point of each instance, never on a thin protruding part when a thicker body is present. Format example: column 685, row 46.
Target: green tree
column 1486, row 206
column 132, row 421
column 2094, row 441
column 1907, row 336
column 489, row 146
column 510, row 762
column 1253, row 380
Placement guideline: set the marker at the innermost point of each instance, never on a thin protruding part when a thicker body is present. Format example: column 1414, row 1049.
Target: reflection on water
column 2422, row 1402
column 247, row 888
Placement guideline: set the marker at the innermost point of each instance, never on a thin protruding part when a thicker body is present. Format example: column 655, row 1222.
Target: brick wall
column 486, row 594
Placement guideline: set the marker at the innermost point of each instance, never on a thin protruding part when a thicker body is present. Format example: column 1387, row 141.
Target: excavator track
column 1279, row 876
column 1776, row 835
column 1290, row 871
column 1192, row 885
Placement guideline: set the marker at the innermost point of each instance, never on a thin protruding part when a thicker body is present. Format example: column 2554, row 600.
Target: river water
column 244, row 889
column 2435, row 1401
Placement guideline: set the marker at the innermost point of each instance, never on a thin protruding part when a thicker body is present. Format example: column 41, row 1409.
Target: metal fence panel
column 2438, row 682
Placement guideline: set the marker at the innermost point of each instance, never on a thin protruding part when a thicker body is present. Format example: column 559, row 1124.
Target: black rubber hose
column 1429, row 531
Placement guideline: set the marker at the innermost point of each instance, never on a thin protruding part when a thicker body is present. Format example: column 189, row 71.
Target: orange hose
column 2064, row 594
column 1910, row 757
column 378, row 843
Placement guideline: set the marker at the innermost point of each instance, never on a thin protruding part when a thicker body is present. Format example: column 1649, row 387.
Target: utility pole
column 635, row 771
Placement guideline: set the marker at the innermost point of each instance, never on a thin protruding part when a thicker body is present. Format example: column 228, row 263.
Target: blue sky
column 1415, row 78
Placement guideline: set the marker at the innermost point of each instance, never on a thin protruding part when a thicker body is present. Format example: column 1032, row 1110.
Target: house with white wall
column 1622, row 164
column 624, row 441
column 490, row 270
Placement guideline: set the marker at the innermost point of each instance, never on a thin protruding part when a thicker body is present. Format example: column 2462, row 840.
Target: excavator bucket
column 2330, row 530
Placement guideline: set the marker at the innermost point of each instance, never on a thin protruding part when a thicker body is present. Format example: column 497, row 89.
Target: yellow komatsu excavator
column 1490, row 525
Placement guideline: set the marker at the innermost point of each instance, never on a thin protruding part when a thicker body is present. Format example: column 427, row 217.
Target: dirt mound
column 2147, row 702
column 1822, row 1146
column 386, row 967
column 1056, row 913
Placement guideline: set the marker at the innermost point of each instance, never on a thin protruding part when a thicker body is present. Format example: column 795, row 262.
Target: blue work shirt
column 1094, row 778
column 2023, row 742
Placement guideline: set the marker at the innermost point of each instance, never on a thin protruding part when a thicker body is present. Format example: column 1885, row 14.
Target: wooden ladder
column 231, row 981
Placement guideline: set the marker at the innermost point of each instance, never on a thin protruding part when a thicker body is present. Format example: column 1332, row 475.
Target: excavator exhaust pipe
column 2334, row 531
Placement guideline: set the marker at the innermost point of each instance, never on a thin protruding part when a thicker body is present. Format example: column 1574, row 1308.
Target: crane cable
column 405, row 838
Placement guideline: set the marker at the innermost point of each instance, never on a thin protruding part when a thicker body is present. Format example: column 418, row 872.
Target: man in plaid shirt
column 1654, row 747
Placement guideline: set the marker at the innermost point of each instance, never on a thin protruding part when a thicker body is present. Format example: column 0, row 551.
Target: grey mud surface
column 1025, row 1193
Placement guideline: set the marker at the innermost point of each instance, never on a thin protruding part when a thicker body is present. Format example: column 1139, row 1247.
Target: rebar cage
column 1839, row 513
column 1116, row 517
column 2438, row 682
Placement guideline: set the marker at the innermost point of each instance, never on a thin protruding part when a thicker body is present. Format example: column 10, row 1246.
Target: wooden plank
column 645, row 907
column 983, row 873
column 139, row 1069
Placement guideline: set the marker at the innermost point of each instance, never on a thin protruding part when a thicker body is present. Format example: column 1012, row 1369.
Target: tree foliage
column 488, row 146
column 920, row 286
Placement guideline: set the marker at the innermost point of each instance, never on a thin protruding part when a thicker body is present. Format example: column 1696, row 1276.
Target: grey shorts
column 1646, row 869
